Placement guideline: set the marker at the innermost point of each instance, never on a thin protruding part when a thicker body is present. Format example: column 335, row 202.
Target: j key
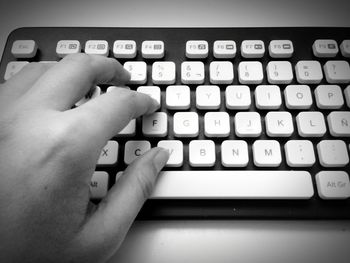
column 248, row 124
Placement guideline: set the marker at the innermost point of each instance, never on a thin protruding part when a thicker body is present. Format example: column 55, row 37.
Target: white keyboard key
column 134, row 149
column 192, row 72
column 268, row 97
column 267, row 153
column 237, row 97
column 92, row 94
column 333, row 185
column 281, row 49
column 298, row 97
column 248, row 124
column 234, row 153
column 155, row 124
column 129, row 130
column 13, row 68
column 67, row 47
column 252, row 49
column 325, row 48
column 202, row 153
column 97, row 47
column 152, row 49
column 329, row 97
column 233, row 185
column 308, row 72
column 224, row 49
column 99, row 185
column 311, row 124
column 221, row 72
column 337, row 71
column 24, row 49
column 250, row 72
column 279, row 124
column 279, row 72
column 163, row 72
column 216, row 124
column 332, row 153
column 208, row 97
column 152, row 91
column 300, row 153
column 110, row 88
column 186, row 124
column 345, row 48
column 175, row 149
column 178, row 97
column 347, row 95
column 138, row 71
column 109, row 154
column 124, row 49
column 339, row 123
column 197, row 49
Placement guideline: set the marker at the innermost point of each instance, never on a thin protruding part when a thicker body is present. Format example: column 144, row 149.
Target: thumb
column 107, row 227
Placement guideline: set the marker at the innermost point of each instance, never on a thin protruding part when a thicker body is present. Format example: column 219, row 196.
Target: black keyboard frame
column 175, row 40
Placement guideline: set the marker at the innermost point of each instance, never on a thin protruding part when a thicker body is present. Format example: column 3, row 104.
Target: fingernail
column 155, row 106
column 161, row 158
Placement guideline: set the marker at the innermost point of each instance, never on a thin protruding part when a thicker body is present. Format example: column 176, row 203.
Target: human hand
column 48, row 153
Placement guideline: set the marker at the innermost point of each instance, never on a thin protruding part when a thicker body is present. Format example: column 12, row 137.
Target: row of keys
column 331, row 185
column 249, row 72
column 154, row 49
column 238, row 97
column 234, row 153
column 222, row 72
column 246, row 124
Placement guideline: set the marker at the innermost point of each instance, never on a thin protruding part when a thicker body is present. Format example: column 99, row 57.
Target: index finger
column 106, row 115
column 68, row 81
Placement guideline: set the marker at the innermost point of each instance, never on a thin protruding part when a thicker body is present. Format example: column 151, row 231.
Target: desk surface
column 203, row 241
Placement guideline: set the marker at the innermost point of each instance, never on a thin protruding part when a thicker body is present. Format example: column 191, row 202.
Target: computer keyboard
column 257, row 120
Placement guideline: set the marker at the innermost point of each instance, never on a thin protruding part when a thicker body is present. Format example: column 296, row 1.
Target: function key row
column 195, row 49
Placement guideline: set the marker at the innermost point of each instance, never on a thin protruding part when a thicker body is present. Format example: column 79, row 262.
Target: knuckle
column 80, row 58
column 144, row 181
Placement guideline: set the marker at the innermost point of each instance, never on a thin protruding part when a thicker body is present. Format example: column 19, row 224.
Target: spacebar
column 233, row 185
